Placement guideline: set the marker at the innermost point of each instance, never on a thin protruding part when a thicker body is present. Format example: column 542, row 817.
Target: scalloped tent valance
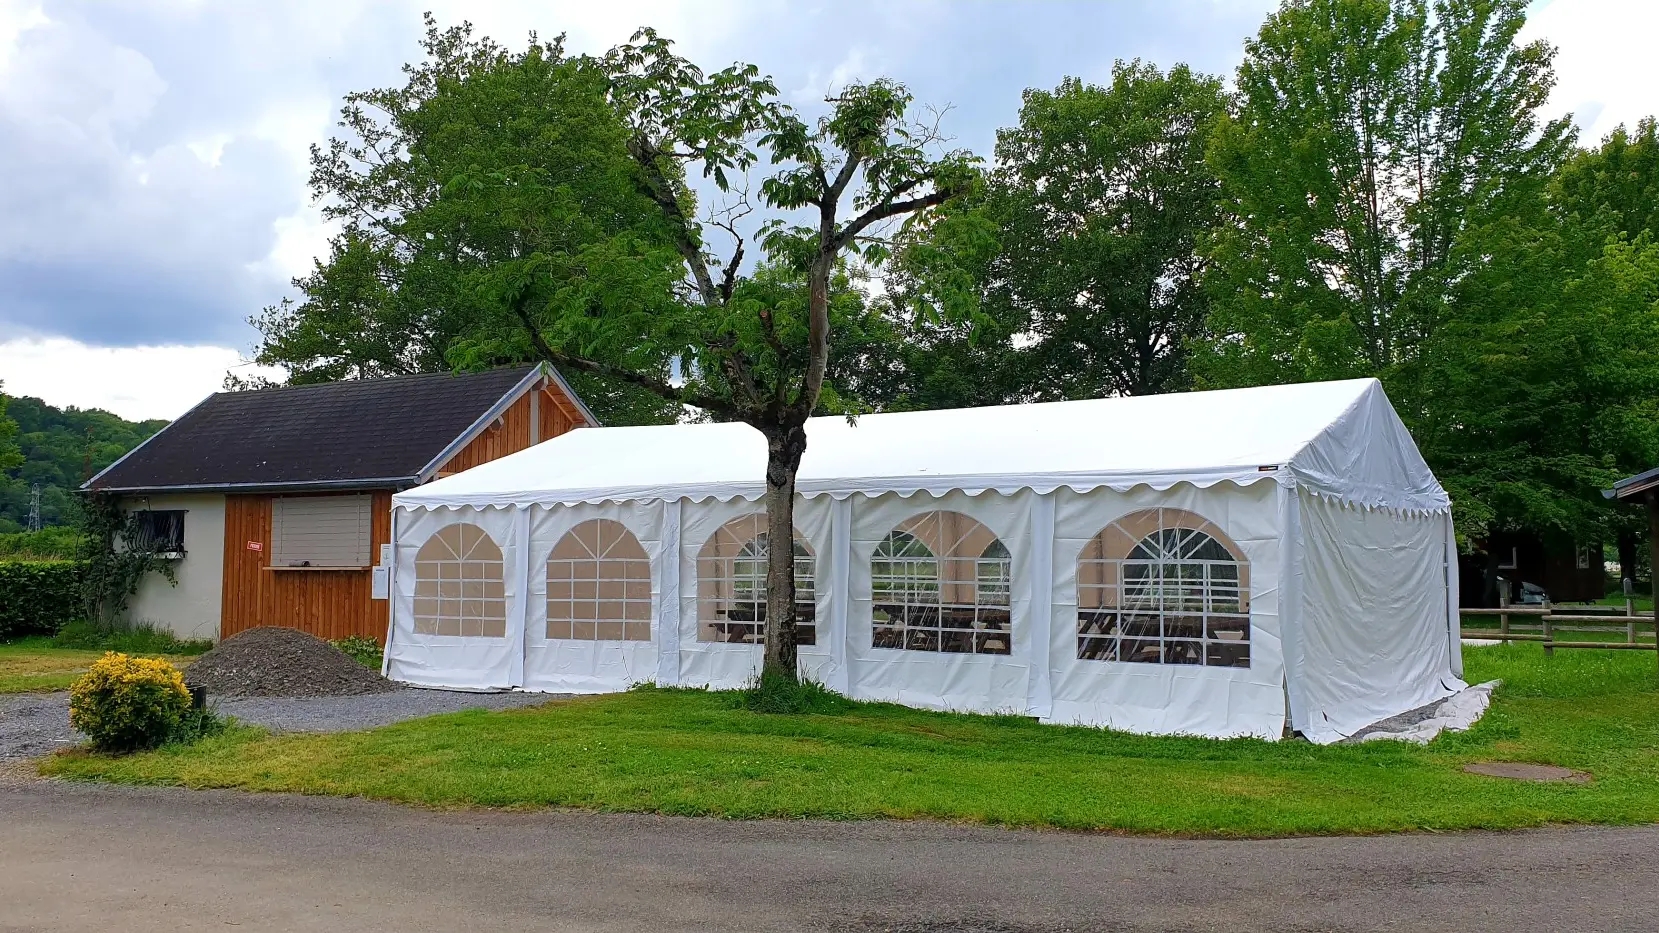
column 1341, row 440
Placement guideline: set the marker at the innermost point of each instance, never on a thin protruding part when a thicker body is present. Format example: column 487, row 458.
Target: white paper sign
column 385, row 553
column 380, row 582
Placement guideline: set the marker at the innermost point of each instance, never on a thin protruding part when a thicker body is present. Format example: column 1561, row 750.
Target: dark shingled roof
column 333, row 434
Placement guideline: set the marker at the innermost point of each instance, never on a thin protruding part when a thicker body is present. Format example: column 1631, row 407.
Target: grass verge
column 34, row 664
column 690, row 752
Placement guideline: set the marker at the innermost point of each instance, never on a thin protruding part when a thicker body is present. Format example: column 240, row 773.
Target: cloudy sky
column 153, row 154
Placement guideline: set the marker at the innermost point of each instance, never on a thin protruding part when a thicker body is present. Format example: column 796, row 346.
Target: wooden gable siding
column 511, row 433
column 327, row 603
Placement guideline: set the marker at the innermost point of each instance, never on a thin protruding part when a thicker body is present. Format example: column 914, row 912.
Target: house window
column 160, row 531
column 941, row 582
column 1583, row 557
column 321, row 531
column 599, row 585
column 731, row 585
column 1163, row 586
column 458, row 585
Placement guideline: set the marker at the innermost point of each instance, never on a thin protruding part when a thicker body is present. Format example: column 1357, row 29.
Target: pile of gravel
column 281, row 662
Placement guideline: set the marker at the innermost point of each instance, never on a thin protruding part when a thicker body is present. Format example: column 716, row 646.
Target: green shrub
column 139, row 638
column 198, row 722
column 774, row 693
column 59, row 542
column 125, row 704
column 362, row 649
column 38, row 596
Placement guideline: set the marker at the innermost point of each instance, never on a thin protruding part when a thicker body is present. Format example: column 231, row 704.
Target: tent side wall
column 1372, row 636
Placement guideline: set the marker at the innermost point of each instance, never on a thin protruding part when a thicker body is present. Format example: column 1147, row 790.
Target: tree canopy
column 1100, row 196
column 58, row 449
column 400, row 289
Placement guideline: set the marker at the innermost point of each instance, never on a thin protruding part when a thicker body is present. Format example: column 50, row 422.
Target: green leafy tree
column 1371, row 136
column 754, row 348
column 61, row 448
column 1613, row 188
column 10, row 456
column 398, row 291
column 1101, row 195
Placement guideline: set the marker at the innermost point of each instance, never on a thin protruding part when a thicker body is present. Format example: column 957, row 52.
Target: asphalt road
column 96, row 858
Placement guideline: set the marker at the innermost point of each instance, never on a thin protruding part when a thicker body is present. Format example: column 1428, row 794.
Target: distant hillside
column 60, row 446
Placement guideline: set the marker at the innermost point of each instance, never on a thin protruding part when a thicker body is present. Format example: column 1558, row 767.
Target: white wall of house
column 190, row 609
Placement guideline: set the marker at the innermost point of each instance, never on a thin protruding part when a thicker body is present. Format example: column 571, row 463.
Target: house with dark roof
column 275, row 505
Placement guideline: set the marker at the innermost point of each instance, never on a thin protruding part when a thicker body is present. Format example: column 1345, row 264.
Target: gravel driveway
column 34, row 724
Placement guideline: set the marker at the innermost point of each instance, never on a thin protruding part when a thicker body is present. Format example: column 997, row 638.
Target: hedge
column 38, row 596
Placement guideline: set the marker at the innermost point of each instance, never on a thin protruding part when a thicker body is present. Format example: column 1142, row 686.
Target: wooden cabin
column 275, row 505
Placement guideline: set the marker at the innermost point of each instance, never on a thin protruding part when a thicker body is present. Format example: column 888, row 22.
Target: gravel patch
column 281, row 662
column 35, row 724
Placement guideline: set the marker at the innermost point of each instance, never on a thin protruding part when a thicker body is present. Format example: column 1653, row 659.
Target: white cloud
column 133, row 382
column 1604, row 61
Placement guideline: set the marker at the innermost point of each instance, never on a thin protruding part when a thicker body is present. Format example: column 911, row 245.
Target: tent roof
column 1341, row 439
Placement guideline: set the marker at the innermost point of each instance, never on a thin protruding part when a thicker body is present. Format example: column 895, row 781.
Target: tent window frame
column 731, row 585
column 460, row 587
column 599, row 586
column 951, row 596
column 1163, row 586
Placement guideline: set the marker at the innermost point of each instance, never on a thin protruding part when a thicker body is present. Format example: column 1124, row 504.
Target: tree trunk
column 783, row 459
column 1627, row 558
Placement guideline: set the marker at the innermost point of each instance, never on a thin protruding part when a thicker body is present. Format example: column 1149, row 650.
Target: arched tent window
column 599, row 585
column 458, row 585
column 1163, row 586
column 731, row 585
column 941, row 582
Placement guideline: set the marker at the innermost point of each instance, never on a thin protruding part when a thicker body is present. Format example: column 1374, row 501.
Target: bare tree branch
column 888, row 209
column 650, row 384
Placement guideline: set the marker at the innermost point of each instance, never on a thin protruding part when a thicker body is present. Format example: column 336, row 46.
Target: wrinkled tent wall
column 1373, row 628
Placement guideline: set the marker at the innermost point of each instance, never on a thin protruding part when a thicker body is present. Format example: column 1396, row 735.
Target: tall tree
column 1100, row 196
column 754, row 348
column 1613, row 189
column 1371, row 135
column 10, row 456
column 397, row 292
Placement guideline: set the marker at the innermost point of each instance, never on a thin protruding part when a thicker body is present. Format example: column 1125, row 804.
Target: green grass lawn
column 34, row 664
column 689, row 752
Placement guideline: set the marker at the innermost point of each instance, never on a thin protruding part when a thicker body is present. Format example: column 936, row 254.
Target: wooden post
column 1503, row 617
column 1630, row 609
column 1549, row 630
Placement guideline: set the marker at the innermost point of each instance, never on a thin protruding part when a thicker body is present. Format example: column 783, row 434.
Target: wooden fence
column 1553, row 619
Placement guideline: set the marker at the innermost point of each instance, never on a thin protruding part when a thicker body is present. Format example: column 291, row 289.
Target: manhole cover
column 1519, row 771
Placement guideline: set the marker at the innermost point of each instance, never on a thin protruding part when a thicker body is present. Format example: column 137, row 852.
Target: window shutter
column 321, row 531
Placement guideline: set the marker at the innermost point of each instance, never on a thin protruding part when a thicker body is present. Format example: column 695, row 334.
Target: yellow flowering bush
column 125, row 703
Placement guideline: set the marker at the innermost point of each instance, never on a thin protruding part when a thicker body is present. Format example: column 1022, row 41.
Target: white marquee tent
column 1205, row 563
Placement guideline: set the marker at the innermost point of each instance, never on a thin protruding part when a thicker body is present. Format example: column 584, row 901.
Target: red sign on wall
column 256, row 545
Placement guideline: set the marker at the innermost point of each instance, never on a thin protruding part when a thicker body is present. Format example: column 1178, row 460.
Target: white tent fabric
column 1339, row 527
column 1340, row 439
